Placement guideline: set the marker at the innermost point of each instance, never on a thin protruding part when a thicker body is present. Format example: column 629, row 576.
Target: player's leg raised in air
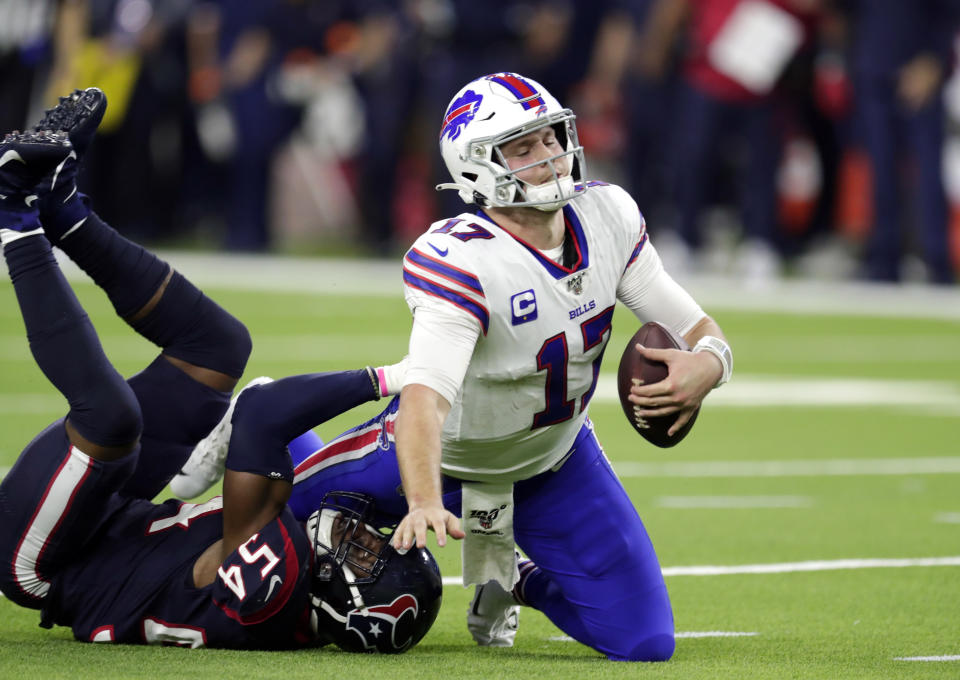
column 62, row 485
column 205, row 349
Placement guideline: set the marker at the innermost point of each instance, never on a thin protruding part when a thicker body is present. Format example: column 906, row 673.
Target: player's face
column 539, row 145
column 372, row 543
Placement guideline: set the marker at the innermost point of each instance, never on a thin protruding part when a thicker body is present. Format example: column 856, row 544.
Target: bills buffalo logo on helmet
column 385, row 624
column 460, row 113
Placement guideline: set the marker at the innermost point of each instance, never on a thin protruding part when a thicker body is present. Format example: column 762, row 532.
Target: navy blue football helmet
column 366, row 596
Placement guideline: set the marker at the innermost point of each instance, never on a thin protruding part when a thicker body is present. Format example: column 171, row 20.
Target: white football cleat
column 205, row 466
column 494, row 616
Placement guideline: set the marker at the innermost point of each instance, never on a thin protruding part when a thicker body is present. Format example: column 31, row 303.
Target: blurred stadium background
column 282, row 155
column 750, row 131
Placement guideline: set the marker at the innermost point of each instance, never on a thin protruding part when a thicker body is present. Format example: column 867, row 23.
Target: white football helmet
column 492, row 111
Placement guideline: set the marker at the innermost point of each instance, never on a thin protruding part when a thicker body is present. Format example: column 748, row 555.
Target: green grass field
column 836, row 441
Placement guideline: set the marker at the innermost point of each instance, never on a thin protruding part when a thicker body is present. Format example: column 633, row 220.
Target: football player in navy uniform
column 78, row 538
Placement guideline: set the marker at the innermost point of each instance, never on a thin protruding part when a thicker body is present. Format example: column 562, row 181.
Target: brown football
column 634, row 365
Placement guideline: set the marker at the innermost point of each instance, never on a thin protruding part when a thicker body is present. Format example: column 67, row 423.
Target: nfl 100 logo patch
column 486, row 518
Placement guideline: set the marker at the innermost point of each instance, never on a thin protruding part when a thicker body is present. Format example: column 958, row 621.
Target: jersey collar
column 574, row 232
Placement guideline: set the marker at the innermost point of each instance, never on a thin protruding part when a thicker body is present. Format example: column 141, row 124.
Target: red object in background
column 601, row 128
column 832, row 89
column 955, row 235
column 854, row 212
column 414, row 206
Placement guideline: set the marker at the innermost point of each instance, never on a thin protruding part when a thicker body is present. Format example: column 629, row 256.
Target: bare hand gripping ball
column 633, row 366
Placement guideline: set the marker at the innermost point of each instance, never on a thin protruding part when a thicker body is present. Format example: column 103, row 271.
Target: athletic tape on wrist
column 719, row 349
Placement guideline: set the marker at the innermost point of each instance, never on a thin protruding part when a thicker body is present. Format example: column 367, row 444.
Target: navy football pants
column 56, row 497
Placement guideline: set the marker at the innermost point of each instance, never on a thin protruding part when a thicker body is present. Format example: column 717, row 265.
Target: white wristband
column 719, row 349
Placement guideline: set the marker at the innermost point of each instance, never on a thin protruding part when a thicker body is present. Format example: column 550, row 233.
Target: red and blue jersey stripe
column 447, row 282
column 640, row 244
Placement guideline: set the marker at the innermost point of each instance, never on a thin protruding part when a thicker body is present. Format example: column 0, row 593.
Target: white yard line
column 745, row 391
column 828, row 467
column 947, row 518
column 714, row 633
column 789, row 567
column 679, row 634
column 953, row 657
column 732, row 502
column 383, row 278
column 938, row 397
column 816, row 565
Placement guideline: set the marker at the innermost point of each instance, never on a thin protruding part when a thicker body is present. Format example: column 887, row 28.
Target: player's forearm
column 704, row 327
column 418, row 426
column 708, row 340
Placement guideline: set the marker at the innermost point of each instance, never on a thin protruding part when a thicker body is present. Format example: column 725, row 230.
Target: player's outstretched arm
column 418, row 426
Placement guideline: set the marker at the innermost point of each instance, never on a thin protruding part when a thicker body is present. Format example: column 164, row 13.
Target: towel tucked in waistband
column 488, row 548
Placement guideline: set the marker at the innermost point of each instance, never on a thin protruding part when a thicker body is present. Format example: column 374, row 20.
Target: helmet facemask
column 365, row 596
column 512, row 192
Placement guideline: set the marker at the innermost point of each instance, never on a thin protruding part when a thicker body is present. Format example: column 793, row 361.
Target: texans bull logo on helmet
column 383, row 626
column 460, row 113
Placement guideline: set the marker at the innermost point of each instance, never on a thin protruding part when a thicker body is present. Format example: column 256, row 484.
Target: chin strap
column 555, row 194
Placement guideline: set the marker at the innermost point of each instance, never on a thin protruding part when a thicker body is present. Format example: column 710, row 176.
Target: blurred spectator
column 735, row 52
column 237, row 52
column 131, row 49
column 323, row 114
column 26, row 32
column 901, row 55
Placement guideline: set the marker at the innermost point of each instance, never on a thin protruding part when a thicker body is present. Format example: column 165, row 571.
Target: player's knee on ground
column 108, row 412
column 658, row 647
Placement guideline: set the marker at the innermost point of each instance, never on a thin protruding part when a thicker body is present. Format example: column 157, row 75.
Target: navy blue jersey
column 134, row 582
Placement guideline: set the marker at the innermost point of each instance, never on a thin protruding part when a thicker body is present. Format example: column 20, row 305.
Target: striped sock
column 527, row 569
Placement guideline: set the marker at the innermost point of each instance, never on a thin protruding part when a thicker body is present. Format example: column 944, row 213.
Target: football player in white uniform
column 512, row 309
column 513, row 306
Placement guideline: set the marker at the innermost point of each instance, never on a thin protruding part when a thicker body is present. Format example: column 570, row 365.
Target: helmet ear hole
column 560, row 130
column 472, row 176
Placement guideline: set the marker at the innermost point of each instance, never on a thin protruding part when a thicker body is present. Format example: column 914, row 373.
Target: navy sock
column 65, row 346
column 127, row 272
column 185, row 322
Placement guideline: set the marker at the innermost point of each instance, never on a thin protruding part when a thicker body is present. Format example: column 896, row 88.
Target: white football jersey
column 543, row 328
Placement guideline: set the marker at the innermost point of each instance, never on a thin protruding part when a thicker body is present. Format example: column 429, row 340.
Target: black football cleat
column 78, row 115
column 25, row 159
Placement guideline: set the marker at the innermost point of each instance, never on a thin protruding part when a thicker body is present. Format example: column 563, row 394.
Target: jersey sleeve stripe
column 636, row 251
column 478, row 311
column 464, row 278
